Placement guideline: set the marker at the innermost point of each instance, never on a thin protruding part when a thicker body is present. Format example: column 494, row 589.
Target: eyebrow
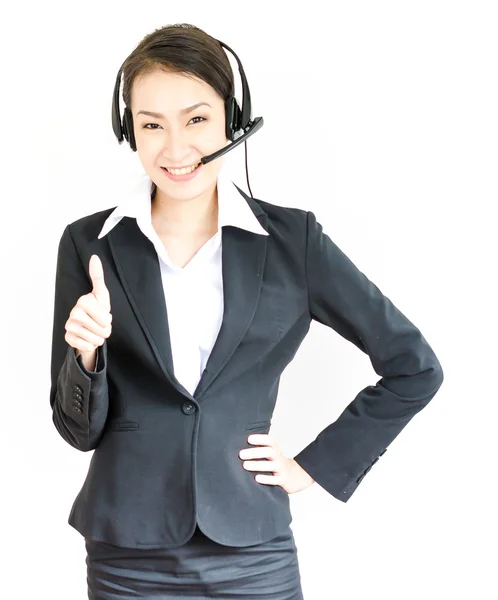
column 184, row 111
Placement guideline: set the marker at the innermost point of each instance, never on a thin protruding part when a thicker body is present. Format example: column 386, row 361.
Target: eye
column 145, row 126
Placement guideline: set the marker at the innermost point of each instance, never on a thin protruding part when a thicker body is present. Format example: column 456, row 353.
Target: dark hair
column 180, row 48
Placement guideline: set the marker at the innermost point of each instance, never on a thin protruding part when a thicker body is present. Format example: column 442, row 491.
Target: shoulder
column 89, row 226
column 280, row 217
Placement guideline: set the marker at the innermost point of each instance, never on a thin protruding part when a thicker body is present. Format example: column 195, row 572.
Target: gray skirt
column 201, row 569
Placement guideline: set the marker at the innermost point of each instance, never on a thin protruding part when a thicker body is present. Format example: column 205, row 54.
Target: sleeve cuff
column 99, row 363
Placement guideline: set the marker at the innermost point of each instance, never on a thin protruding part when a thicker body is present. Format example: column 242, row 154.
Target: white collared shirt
column 194, row 293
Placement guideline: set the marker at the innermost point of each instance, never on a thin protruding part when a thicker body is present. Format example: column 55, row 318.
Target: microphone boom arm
column 256, row 124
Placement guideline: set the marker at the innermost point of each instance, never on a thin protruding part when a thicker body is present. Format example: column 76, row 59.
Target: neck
column 194, row 216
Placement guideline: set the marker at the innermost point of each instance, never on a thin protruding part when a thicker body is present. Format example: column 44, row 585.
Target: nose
column 176, row 146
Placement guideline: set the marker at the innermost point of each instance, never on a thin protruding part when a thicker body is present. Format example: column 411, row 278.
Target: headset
column 239, row 124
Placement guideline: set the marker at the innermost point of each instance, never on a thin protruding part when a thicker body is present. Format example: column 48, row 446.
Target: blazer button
column 188, row 407
column 77, row 403
column 78, row 396
column 78, row 389
column 77, row 409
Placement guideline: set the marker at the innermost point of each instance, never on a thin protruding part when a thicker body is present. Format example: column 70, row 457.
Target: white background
column 380, row 117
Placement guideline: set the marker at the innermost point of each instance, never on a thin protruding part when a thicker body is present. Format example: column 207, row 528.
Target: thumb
column 100, row 290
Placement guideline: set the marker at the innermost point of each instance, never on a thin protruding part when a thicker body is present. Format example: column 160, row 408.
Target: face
column 173, row 138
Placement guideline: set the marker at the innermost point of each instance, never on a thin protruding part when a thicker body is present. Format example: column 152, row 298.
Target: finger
column 260, row 465
column 259, row 452
column 89, row 304
column 260, row 438
column 100, row 290
column 96, row 323
column 78, row 343
column 268, row 479
column 81, row 317
column 85, row 334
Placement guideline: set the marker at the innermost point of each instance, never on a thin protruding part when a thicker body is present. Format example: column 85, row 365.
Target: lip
column 186, row 177
column 183, row 166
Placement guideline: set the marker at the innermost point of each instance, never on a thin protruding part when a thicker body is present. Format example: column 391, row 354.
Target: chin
column 186, row 190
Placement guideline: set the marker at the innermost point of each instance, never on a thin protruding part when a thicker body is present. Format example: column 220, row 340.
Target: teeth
column 184, row 170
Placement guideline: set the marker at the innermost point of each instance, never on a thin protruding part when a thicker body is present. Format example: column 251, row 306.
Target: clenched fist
column 89, row 323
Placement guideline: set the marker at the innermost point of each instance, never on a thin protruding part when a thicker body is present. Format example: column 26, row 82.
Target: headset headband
column 236, row 118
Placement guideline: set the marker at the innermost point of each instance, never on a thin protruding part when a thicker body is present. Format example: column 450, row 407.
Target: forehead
column 168, row 93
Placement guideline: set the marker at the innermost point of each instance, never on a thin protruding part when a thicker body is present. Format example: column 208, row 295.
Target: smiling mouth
column 184, row 170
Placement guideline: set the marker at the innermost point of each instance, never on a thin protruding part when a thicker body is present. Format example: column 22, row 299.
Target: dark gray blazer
column 164, row 459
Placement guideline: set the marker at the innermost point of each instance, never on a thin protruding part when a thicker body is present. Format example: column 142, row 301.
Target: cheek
column 214, row 135
column 149, row 146
column 210, row 171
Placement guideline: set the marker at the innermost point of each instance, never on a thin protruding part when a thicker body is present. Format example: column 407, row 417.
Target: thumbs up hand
column 89, row 323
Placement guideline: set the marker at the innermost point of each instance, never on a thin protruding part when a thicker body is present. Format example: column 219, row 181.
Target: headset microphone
column 256, row 124
column 236, row 119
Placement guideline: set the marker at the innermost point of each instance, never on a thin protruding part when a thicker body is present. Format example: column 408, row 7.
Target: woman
column 175, row 314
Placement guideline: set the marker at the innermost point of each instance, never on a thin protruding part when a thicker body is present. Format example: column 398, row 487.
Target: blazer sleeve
column 342, row 297
column 78, row 398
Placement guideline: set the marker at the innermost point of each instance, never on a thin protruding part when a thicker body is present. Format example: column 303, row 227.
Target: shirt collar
column 233, row 208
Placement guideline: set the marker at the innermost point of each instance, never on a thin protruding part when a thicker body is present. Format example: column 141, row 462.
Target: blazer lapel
column 243, row 260
column 138, row 268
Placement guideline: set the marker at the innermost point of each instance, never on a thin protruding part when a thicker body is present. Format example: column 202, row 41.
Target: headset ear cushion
column 233, row 116
column 125, row 126
column 229, row 118
column 237, row 117
column 128, row 128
